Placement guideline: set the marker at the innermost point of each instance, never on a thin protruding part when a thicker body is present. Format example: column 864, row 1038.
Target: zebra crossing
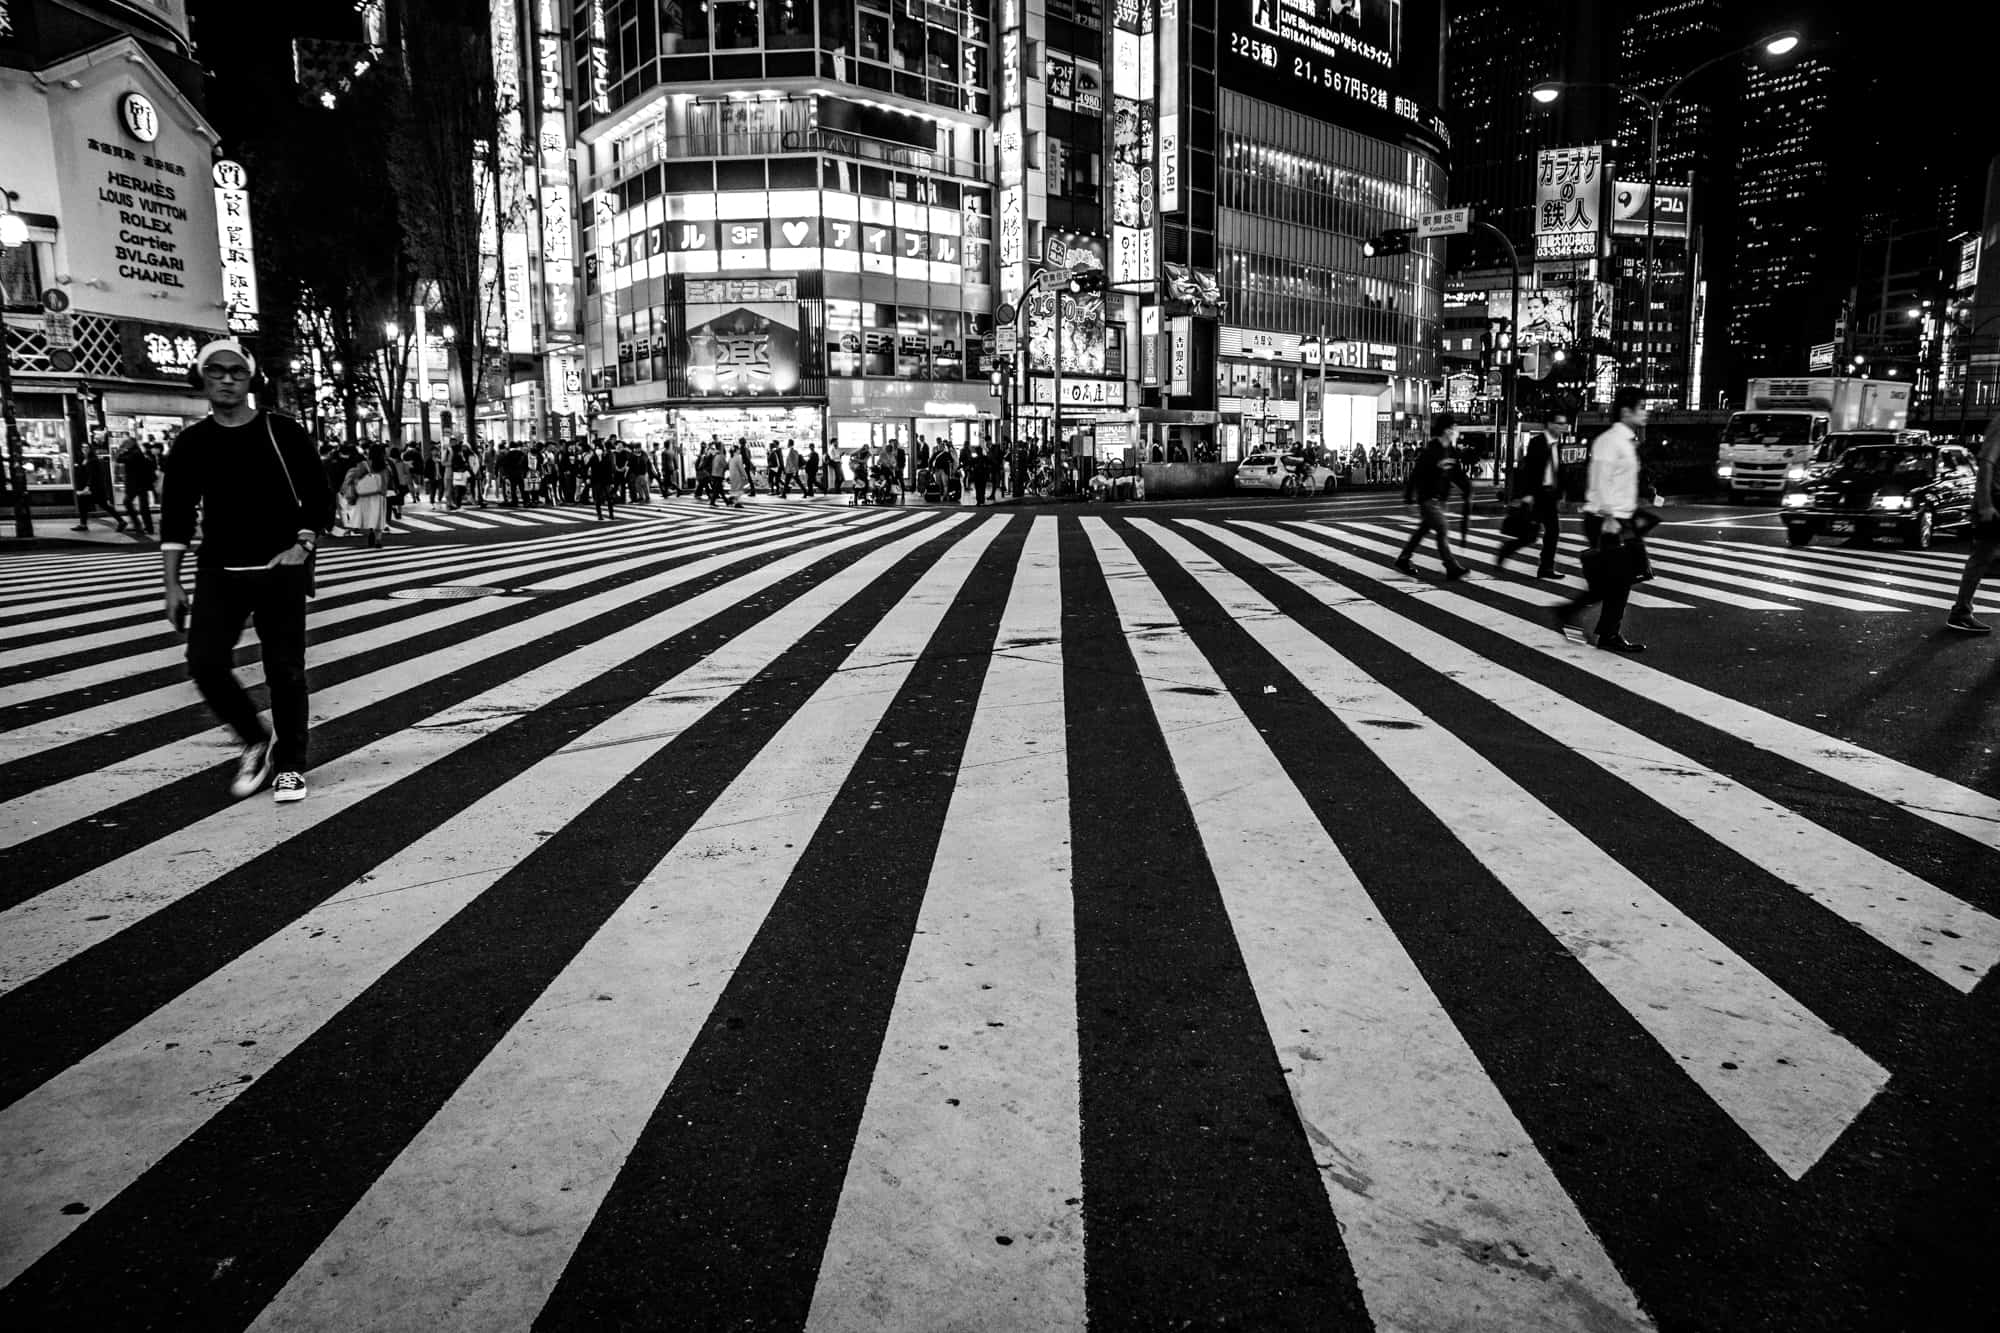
column 857, row 919
column 430, row 520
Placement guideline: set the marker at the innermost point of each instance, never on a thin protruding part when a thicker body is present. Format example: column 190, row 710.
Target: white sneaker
column 290, row 786
column 253, row 770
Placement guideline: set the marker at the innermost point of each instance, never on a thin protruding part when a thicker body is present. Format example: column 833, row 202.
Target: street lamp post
column 13, row 232
column 1777, row 44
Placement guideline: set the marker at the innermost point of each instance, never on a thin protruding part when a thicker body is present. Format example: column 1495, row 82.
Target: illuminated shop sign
column 600, row 61
column 510, row 179
column 1080, row 392
column 743, row 338
column 754, row 230
column 1083, row 335
column 239, row 255
column 1010, row 151
column 1569, row 201
column 1135, row 246
column 1369, row 64
column 1168, row 107
column 1075, row 84
column 1671, row 212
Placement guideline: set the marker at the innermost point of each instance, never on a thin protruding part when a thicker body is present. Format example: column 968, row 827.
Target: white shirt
column 1613, row 489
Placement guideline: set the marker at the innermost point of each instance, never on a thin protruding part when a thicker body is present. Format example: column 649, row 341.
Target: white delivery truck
column 1784, row 420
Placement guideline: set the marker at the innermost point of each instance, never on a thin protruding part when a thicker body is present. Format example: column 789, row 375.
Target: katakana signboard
column 1569, row 201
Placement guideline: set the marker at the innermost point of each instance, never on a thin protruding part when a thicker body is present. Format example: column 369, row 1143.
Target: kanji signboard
column 1569, row 201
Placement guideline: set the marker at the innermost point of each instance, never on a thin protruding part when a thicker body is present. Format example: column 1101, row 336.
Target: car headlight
column 1892, row 502
column 1797, row 500
column 1725, row 469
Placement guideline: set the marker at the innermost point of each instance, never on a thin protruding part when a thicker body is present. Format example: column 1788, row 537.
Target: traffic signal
column 998, row 379
column 1083, row 281
column 1395, row 241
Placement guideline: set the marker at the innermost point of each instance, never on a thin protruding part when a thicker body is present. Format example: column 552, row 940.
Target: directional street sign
column 1444, row 222
column 55, row 298
column 56, row 327
column 1006, row 340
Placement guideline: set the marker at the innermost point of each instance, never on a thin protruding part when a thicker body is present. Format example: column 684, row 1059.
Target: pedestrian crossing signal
column 998, row 379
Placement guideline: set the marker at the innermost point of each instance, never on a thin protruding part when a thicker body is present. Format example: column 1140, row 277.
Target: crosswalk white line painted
column 1665, row 584
column 1532, row 594
column 1790, row 1082
column 537, row 1133
column 1913, row 587
column 64, row 802
column 1925, row 795
column 498, row 563
column 1733, row 567
column 911, row 1240
column 409, row 524
column 1671, row 563
column 145, row 1096
column 1950, row 939
column 1412, row 1138
column 1819, row 557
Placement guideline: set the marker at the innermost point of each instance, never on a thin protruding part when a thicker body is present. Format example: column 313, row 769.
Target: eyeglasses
column 226, row 372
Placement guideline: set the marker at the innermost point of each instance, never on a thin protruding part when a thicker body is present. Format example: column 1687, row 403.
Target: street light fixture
column 392, row 330
column 1779, row 43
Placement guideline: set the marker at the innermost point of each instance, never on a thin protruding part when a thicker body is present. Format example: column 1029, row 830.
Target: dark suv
column 1906, row 488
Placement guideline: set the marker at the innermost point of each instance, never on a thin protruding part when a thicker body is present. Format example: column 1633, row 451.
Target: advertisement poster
column 1083, row 338
column 741, row 347
column 1368, row 64
column 1548, row 317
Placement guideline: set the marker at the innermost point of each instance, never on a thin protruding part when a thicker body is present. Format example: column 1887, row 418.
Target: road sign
column 62, row 360
column 56, row 328
column 1444, row 222
column 1006, row 341
column 55, row 298
column 1003, row 318
column 1822, row 356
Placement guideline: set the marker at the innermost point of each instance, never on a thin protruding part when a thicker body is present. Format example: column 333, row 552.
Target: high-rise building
column 838, row 223
column 120, row 273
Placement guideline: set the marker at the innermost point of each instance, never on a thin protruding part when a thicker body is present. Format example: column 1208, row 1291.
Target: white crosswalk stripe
column 555, row 838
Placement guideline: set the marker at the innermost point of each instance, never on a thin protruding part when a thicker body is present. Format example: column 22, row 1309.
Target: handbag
column 1519, row 521
column 312, row 556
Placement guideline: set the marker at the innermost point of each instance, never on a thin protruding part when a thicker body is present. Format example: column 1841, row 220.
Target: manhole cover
column 452, row 592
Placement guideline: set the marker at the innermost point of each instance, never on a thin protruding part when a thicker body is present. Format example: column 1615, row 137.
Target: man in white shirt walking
column 1610, row 500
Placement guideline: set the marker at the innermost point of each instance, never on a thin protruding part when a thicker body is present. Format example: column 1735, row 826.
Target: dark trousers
column 139, row 508
column 979, row 488
column 1548, row 519
column 274, row 601
column 1431, row 521
column 1609, row 569
column 604, row 499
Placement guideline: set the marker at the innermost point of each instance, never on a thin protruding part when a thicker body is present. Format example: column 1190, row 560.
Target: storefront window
column 684, row 25
column 874, row 37
column 736, row 24
column 879, row 340
column 788, row 23
column 843, row 339
column 947, row 345
column 913, row 343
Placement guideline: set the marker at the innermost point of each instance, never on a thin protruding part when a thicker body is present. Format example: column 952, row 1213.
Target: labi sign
column 138, row 210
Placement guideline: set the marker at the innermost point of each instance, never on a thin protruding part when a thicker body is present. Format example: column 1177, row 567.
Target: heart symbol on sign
column 796, row 232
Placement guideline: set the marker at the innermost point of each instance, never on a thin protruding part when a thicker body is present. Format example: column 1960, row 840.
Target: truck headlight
column 1725, row 469
column 1795, row 473
column 1892, row 502
column 1797, row 500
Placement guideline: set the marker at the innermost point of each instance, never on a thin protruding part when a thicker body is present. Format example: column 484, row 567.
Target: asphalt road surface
column 1153, row 917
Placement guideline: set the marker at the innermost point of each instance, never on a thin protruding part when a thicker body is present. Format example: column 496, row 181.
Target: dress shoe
column 1550, row 573
column 1403, row 565
column 1455, row 573
column 1621, row 644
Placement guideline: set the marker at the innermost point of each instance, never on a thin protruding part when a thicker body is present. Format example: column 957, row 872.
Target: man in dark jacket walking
column 1429, row 486
column 140, row 472
column 1533, row 486
column 263, row 501
column 604, row 478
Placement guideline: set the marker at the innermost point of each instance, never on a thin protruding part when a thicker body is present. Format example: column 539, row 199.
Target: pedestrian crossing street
column 843, row 918
column 527, row 519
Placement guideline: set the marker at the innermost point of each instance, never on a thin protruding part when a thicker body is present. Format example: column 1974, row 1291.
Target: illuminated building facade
column 786, row 220
column 125, row 208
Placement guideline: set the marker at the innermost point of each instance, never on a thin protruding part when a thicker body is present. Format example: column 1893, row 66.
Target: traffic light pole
column 1510, row 369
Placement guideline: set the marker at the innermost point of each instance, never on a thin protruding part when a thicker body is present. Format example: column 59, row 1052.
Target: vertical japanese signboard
column 1569, row 201
column 552, row 154
column 239, row 255
column 1168, row 140
column 509, row 184
column 1012, row 151
column 1134, row 242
